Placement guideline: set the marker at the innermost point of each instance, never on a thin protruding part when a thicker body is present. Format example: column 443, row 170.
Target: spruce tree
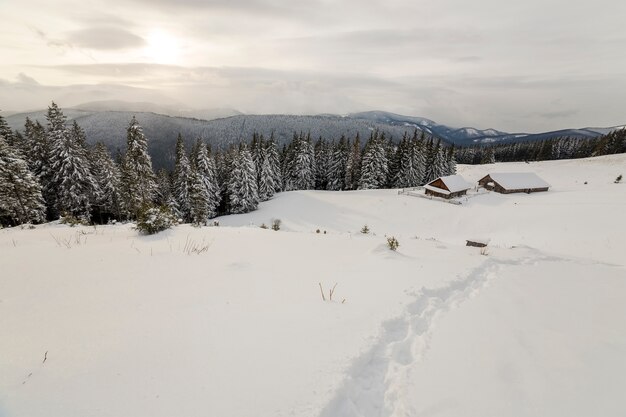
column 337, row 165
column 374, row 164
column 21, row 200
column 198, row 199
column 164, row 194
column 108, row 178
column 273, row 157
column 322, row 156
column 6, row 132
column 182, row 178
column 451, row 161
column 207, row 193
column 353, row 165
column 411, row 163
column 242, row 185
column 266, row 174
column 138, row 179
column 72, row 180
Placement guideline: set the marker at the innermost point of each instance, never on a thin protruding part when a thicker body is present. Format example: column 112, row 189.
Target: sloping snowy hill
column 229, row 321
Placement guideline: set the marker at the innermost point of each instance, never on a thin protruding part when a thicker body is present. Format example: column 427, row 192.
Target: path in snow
column 378, row 382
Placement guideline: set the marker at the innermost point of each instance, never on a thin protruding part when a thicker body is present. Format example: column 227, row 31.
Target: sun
column 162, row 48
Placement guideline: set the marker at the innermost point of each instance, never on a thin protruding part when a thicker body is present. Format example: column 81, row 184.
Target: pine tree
column 303, row 169
column 411, row 163
column 337, row 165
column 72, row 180
column 182, row 178
column 273, row 157
column 374, row 164
column 21, row 200
column 138, row 179
column 198, row 199
column 6, row 132
column 440, row 164
column 451, row 161
column 242, row 186
column 38, row 155
column 353, row 165
column 164, row 194
column 265, row 170
column 322, row 156
column 206, row 187
column 108, row 178
column 224, row 164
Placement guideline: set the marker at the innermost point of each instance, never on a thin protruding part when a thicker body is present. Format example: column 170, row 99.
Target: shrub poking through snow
column 618, row 179
column 263, row 226
column 393, row 243
column 365, row 230
column 152, row 220
column 276, row 224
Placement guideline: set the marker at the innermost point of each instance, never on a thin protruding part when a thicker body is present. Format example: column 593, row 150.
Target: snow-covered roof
column 455, row 183
column 518, row 180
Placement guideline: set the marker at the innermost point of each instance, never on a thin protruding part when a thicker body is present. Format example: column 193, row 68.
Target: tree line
column 49, row 172
column 545, row 150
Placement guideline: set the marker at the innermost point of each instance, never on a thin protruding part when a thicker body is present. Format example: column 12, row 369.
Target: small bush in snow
column 365, row 230
column 263, row 226
column 618, row 179
column 393, row 243
column 152, row 220
column 276, row 224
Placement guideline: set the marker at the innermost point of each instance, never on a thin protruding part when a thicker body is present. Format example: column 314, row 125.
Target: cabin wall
column 436, row 194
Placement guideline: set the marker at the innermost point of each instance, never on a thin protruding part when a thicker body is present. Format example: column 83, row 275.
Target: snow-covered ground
column 229, row 321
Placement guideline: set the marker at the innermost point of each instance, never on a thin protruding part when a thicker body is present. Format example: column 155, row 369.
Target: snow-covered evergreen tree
column 242, row 185
column 108, row 178
column 164, row 194
column 138, row 179
column 337, row 163
column 450, row 161
column 353, row 165
column 72, row 180
column 266, row 174
column 209, row 195
column 302, row 173
column 38, row 155
column 298, row 164
column 322, row 157
column 411, row 164
column 224, row 164
column 182, row 178
column 6, row 132
column 198, row 199
column 21, row 200
column 273, row 156
column 374, row 164
column 436, row 163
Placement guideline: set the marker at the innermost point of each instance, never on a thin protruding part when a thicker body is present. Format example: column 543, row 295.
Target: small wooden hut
column 448, row 187
column 513, row 182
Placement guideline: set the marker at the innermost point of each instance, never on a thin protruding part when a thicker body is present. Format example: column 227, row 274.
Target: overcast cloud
column 515, row 66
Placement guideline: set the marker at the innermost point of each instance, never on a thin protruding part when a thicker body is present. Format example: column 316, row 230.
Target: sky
column 517, row 66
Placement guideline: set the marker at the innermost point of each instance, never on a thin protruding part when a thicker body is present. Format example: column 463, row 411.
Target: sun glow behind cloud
column 162, row 48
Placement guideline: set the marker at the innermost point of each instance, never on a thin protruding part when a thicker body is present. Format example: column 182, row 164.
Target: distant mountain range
column 469, row 135
column 107, row 121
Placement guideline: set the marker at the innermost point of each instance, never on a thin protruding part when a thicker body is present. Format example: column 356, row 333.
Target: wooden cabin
column 513, row 182
column 448, row 187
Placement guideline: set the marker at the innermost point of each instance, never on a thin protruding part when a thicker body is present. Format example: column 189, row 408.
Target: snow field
column 229, row 321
